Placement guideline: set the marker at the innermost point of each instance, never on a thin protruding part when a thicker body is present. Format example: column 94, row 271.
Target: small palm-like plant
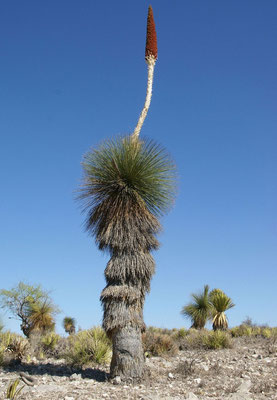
column 199, row 310
column 220, row 304
column 41, row 315
column 69, row 325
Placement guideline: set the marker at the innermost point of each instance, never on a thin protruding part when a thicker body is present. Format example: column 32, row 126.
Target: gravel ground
column 247, row 371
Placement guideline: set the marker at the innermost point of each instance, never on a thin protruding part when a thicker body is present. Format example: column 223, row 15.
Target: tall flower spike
column 151, row 48
column 151, row 54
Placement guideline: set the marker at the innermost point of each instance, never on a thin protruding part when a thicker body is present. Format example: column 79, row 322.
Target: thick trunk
column 128, row 356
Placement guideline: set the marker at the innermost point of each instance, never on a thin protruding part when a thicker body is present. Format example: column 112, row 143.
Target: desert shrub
column 274, row 333
column 217, row 340
column 266, row 332
column 18, row 346
column 254, row 330
column 12, row 347
column 158, row 344
column 185, row 368
column 193, row 340
column 43, row 344
column 90, row 346
column 180, row 334
column 204, row 339
column 49, row 342
column 241, row 330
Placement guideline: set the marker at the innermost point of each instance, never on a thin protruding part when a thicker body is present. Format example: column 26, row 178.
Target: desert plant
column 49, row 342
column 157, row 344
column 31, row 305
column 91, row 346
column 181, row 333
column 241, row 330
column 128, row 184
column 69, row 325
column 41, row 316
column 194, row 339
column 217, row 340
column 199, row 310
column 186, row 368
column 266, row 332
column 220, row 304
column 12, row 390
column 18, row 347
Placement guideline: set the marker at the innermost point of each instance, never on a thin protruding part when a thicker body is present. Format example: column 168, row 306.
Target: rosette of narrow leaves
column 199, row 310
column 220, row 304
column 127, row 185
column 41, row 315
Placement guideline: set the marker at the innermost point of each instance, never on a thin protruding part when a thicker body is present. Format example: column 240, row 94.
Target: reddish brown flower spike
column 151, row 48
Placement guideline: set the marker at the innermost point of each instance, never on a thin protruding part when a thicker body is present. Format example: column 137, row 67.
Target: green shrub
column 266, row 332
column 157, row 344
column 12, row 347
column 193, row 340
column 217, row 340
column 49, row 342
column 91, row 346
column 254, row 330
column 180, row 334
column 18, row 346
column 204, row 339
column 241, row 330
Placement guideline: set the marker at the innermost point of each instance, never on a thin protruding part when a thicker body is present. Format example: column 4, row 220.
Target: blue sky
column 72, row 74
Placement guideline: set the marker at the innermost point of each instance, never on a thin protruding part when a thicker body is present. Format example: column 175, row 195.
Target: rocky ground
column 247, row 371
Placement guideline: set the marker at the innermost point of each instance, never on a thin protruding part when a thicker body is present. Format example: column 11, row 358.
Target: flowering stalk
column 151, row 54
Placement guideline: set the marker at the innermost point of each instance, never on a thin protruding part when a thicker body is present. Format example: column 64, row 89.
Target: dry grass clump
column 253, row 331
column 186, row 368
column 49, row 343
column 45, row 344
column 13, row 347
column 90, row 346
column 204, row 339
column 12, row 390
column 217, row 340
column 158, row 344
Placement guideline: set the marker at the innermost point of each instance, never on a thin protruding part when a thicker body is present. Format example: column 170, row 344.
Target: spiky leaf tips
column 151, row 48
column 126, row 182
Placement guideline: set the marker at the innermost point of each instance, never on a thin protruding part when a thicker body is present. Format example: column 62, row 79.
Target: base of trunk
column 128, row 356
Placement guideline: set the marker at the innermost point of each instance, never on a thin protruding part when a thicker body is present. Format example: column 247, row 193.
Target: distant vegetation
column 36, row 310
column 207, row 306
column 32, row 306
column 93, row 347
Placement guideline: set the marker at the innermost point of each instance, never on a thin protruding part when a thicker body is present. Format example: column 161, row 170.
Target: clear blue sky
column 72, row 74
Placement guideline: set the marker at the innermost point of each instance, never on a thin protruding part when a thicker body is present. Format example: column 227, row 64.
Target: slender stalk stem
column 151, row 60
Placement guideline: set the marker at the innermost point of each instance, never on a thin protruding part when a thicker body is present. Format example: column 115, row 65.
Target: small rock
column 69, row 398
column 75, row 377
column 244, row 387
column 116, row 380
column 170, row 375
column 197, row 380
